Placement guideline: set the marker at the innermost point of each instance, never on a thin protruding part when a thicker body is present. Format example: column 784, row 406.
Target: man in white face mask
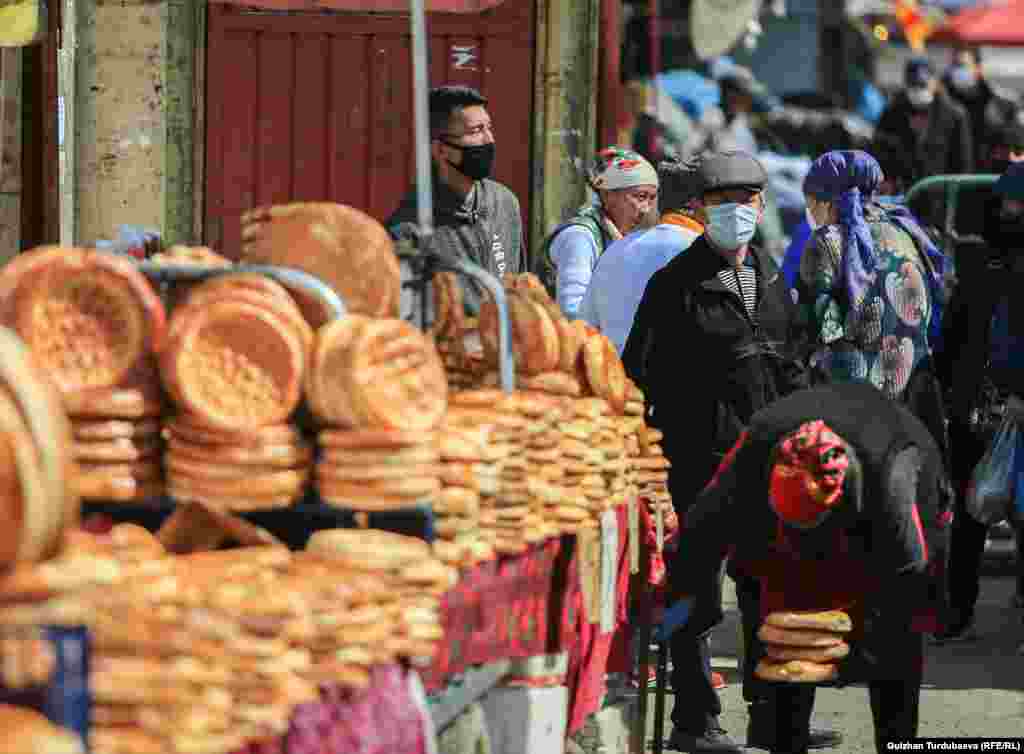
column 923, row 132
column 715, row 338
column 989, row 108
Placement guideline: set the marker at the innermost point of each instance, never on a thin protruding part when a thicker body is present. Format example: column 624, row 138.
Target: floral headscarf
column 619, row 168
column 848, row 178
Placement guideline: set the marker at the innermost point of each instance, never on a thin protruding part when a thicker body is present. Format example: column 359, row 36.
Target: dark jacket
column 894, row 512
column 993, row 276
column 987, row 108
column 946, row 147
column 485, row 228
column 704, row 365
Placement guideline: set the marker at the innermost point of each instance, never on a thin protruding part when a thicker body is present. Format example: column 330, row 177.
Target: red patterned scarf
column 807, row 478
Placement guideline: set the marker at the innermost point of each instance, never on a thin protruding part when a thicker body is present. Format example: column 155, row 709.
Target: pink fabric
column 589, row 655
column 384, row 719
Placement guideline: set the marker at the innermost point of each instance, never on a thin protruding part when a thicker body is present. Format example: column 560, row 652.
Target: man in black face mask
column 475, row 218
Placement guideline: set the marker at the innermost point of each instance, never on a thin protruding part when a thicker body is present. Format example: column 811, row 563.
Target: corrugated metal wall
column 306, row 107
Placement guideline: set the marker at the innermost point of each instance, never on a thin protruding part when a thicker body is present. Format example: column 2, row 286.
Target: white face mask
column 920, row 96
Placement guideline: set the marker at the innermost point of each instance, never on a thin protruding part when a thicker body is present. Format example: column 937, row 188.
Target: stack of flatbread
column 454, row 334
column 596, row 464
column 27, row 659
column 513, row 518
column 408, row 623
column 93, row 325
column 470, row 482
column 238, row 452
column 377, row 389
column 196, row 650
column 803, row 647
column 261, row 469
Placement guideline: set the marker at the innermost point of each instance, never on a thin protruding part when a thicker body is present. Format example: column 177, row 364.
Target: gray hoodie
column 485, row 228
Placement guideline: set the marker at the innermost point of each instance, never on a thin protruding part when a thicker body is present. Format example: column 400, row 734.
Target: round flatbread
column 396, row 378
column 236, row 365
column 342, row 246
column 114, row 429
column 115, row 403
column 798, row 637
column 327, row 379
column 89, row 317
column 826, row 620
column 796, row 671
column 373, row 439
column 782, row 653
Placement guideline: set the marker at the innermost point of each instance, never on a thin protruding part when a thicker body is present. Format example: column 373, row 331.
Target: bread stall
column 395, row 520
column 252, row 509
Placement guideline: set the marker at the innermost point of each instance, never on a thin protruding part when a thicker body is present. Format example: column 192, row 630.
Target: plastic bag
column 991, row 492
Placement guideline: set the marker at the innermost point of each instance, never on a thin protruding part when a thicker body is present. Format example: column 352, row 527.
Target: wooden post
column 565, row 108
column 10, row 152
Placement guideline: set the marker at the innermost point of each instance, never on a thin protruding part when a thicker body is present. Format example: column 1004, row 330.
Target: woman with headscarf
column 625, row 191
column 870, row 286
column 837, row 513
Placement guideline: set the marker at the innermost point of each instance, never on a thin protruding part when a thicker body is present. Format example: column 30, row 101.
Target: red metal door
column 318, row 106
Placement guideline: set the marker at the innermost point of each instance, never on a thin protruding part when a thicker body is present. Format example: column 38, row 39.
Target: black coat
column 704, row 366
column 947, row 146
column 894, row 511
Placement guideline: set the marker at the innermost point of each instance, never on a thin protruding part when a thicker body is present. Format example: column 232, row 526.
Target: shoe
column 763, row 736
column 961, row 631
column 818, row 738
column 712, row 741
column 718, row 681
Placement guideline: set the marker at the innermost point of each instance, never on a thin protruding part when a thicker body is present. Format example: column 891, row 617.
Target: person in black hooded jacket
column 982, row 365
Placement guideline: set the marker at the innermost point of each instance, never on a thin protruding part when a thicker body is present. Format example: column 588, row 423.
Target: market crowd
column 837, row 403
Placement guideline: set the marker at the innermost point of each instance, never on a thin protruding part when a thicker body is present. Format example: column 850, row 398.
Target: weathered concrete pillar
column 134, row 117
column 10, row 152
column 565, row 107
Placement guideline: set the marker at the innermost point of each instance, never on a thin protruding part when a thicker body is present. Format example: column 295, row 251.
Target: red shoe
column 718, row 681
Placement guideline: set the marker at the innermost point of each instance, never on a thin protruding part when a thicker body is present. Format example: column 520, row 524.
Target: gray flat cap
column 730, row 170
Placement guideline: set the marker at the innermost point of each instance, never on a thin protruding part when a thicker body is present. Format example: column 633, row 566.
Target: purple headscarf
column 848, row 179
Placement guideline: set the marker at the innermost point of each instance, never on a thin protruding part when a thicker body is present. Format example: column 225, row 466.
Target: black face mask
column 477, row 160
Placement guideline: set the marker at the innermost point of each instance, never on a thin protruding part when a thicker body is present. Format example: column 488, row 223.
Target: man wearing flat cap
column 837, row 513
column 714, row 340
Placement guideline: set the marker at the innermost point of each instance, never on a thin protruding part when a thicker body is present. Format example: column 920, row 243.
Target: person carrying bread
column 845, row 507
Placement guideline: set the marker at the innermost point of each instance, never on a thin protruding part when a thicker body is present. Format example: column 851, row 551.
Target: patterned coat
column 881, row 339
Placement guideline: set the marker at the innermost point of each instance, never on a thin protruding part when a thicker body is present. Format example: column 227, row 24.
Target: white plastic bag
column 991, row 491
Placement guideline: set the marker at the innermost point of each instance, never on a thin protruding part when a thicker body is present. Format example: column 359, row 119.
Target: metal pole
column 424, row 198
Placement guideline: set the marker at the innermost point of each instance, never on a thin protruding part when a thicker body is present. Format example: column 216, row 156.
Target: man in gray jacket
column 475, row 218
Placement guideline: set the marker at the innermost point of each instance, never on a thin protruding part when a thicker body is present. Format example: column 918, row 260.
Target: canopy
column 1000, row 23
column 377, row 6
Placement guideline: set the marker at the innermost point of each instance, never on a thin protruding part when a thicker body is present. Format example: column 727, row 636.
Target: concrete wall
column 133, row 117
column 10, row 152
column 138, row 114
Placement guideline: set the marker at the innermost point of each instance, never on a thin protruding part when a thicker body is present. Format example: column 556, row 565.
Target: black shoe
column 959, row 631
column 712, row 741
column 763, row 738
